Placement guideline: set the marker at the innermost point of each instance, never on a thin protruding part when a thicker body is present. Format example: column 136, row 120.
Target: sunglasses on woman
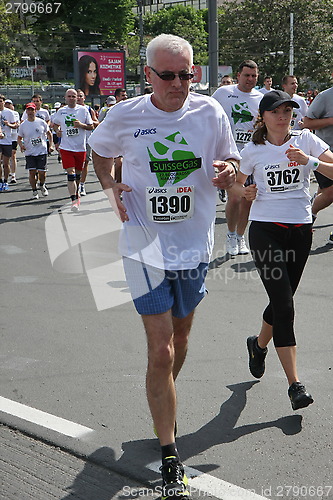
column 169, row 76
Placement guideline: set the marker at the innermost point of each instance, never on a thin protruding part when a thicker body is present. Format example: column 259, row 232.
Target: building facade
column 155, row 5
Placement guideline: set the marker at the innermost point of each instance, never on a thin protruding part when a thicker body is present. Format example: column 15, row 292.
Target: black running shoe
column 174, row 480
column 256, row 357
column 299, row 396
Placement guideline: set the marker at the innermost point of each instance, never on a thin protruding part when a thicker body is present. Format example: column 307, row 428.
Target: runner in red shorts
column 71, row 123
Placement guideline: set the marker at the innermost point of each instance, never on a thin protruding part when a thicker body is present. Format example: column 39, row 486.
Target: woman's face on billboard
column 91, row 74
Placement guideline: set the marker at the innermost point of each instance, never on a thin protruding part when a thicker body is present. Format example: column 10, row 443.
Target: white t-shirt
column 88, row 132
column 263, row 90
column 298, row 113
column 283, row 186
column 6, row 115
column 51, row 117
column 34, row 135
column 14, row 130
column 72, row 138
column 40, row 113
column 242, row 109
column 167, row 161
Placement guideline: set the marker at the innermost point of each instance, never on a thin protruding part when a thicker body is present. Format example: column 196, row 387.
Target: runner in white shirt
column 7, row 125
column 56, row 139
column 13, row 162
column 241, row 103
column 290, row 85
column 268, row 81
column 71, row 123
column 280, row 233
column 32, row 139
column 40, row 112
column 81, row 96
column 226, row 80
column 168, row 210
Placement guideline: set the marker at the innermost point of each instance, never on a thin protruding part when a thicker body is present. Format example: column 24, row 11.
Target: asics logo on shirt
column 146, row 131
column 157, row 190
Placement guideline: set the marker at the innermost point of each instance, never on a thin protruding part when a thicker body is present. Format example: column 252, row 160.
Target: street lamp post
column 213, row 45
column 27, row 59
column 291, row 45
column 142, row 50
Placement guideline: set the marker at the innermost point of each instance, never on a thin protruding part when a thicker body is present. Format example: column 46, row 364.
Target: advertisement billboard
column 99, row 72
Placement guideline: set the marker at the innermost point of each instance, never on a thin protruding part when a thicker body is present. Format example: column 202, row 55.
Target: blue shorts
column 155, row 291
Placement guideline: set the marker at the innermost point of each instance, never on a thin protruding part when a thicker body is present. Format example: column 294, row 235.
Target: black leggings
column 280, row 252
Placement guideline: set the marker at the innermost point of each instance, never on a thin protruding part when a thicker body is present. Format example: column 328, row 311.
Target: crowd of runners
column 160, row 158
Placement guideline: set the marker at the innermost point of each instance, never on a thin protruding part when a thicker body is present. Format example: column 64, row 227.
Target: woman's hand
column 296, row 154
column 250, row 192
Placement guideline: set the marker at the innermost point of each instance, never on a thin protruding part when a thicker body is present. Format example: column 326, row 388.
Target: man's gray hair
column 174, row 44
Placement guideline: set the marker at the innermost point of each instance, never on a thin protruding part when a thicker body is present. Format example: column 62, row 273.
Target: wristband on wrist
column 234, row 164
column 313, row 163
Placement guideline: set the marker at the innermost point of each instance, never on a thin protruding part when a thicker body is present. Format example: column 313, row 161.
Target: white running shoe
column 82, row 190
column 75, row 206
column 222, row 195
column 242, row 248
column 35, row 195
column 232, row 244
column 44, row 190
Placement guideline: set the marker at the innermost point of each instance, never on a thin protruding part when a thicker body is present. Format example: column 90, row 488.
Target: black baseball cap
column 273, row 99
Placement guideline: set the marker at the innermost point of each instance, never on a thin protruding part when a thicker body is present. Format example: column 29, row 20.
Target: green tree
column 260, row 30
column 79, row 23
column 182, row 21
column 10, row 24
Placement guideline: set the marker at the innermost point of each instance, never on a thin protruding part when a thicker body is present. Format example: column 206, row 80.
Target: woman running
column 280, row 234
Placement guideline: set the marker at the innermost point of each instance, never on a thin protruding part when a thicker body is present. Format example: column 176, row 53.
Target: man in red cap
column 32, row 139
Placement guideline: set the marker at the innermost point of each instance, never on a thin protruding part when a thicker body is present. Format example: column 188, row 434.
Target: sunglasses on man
column 169, row 76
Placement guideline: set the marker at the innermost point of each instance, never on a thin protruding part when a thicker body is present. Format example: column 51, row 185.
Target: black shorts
column 36, row 163
column 6, row 150
column 323, row 182
column 55, row 139
column 14, row 145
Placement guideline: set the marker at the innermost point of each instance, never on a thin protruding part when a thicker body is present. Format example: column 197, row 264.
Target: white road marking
column 44, row 419
column 204, row 484
column 24, row 279
column 199, row 482
column 11, row 249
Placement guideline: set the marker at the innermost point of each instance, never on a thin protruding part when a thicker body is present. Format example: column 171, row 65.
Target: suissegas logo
column 144, row 131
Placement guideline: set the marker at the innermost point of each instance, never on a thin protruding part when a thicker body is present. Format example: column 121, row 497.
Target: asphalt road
column 73, row 358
